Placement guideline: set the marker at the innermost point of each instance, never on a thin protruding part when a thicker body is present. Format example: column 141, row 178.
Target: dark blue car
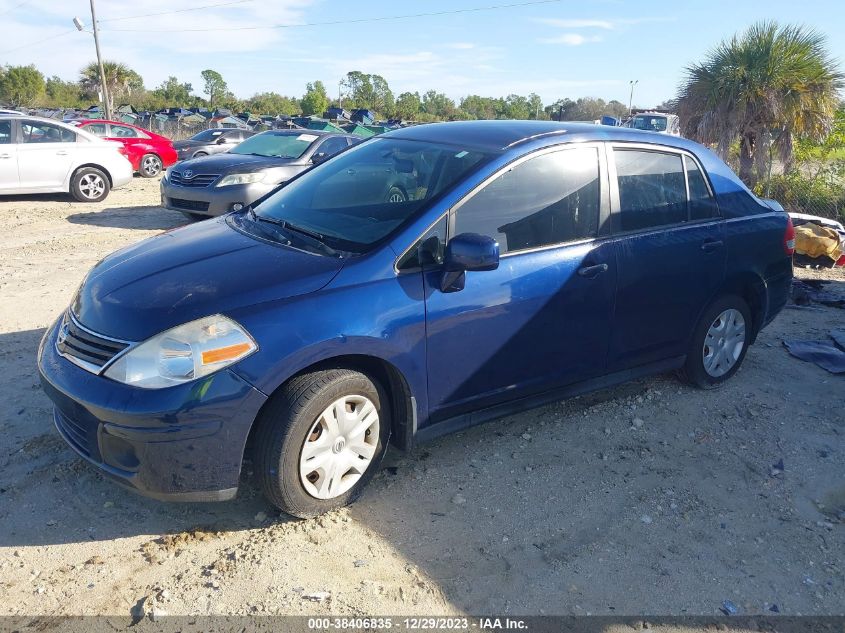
column 524, row 262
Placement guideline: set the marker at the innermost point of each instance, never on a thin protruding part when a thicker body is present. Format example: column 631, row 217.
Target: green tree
column 437, row 106
column 477, row 107
column 369, row 91
column 315, row 100
column 215, row 87
column 408, row 106
column 272, row 103
column 174, row 92
column 64, row 94
column 21, row 86
column 121, row 81
column 763, row 88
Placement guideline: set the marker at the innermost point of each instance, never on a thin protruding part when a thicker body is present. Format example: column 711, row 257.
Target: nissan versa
column 528, row 261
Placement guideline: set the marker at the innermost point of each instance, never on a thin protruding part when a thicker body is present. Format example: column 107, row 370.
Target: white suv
column 40, row 155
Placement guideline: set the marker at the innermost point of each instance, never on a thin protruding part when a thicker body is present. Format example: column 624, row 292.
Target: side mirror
column 223, row 140
column 465, row 252
column 319, row 157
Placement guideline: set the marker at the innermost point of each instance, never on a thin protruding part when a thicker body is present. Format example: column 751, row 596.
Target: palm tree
column 121, row 80
column 764, row 88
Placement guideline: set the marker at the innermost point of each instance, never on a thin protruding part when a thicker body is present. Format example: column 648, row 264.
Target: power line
column 151, row 15
column 46, row 39
column 17, row 6
column 344, row 22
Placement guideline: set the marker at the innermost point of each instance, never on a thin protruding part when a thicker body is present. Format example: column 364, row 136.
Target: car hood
column 227, row 162
column 188, row 273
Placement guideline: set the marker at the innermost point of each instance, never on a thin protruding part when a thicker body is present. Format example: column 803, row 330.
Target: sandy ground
column 650, row 498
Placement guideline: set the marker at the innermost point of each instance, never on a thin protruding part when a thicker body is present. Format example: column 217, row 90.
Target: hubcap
column 92, row 186
column 152, row 165
column 339, row 447
column 724, row 343
column 396, row 196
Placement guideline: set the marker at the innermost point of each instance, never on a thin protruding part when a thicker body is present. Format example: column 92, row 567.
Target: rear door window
column 652, row 189
column 98, row 129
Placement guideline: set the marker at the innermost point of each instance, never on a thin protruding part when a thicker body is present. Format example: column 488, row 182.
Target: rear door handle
column 5, row 156
column 711, row 245
column 591, row 272
column 61, row 152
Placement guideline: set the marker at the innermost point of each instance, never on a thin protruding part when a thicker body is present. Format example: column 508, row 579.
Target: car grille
column 189, row 205
column 80, row 438
column 196, row 181
column 89, row 350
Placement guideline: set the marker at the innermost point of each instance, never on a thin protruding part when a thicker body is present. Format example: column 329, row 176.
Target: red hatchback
column 148, row 152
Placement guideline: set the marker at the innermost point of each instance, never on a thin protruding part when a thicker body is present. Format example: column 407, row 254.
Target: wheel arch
column 403, row 414
column 752, row 289
column 94, row 166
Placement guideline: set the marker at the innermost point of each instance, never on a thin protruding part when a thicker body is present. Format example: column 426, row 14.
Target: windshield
column 207, row 135
column 359, row 197
column 278, row 144
column 652, row 123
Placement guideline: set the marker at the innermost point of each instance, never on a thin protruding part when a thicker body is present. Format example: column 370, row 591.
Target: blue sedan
column 424, row 281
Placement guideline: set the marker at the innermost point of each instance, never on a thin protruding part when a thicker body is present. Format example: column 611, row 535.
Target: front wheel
column 151, row 166
column 89, row 184
column 320, row 440
column 199, row 154
column 719, row 343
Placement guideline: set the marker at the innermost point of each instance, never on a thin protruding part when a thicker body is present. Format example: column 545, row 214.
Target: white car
column 40, row 155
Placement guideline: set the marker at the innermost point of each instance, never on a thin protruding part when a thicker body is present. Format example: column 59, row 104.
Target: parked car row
column 40, row 155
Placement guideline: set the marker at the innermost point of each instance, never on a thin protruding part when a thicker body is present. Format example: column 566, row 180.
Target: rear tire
column 295, row 431
column 150, row 166
column 89, row 184
column 719, row 343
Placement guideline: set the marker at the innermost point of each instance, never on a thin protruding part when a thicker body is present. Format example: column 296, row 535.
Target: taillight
column 789, row 238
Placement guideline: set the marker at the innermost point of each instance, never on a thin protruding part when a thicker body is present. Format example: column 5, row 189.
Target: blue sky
column 556, row 49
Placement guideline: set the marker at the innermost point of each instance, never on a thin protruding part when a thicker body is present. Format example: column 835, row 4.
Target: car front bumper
column 210, row 201
column 181, row 443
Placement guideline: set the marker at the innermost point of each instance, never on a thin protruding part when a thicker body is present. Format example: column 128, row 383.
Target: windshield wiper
column 313, row 237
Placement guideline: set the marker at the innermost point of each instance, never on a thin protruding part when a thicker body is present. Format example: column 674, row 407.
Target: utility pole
column 100, row 63
column 633, row 83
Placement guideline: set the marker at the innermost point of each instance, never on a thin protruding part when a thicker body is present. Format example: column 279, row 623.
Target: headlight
column 241, row 179
column 183, row 353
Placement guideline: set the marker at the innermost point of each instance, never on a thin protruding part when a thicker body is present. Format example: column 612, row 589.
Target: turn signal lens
column 230, row 352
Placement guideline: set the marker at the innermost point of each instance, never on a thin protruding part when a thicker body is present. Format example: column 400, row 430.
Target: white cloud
column 570, row 39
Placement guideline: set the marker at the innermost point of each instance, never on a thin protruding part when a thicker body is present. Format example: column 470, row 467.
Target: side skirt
column 466, row 420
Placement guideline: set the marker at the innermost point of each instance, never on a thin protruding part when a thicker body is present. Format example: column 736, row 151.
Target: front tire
column 89, row 184
column 199, row 154
column 719, row 343
column 320, row 440
column 150, row 166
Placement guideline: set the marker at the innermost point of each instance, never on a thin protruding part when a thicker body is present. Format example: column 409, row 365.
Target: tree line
column 27, row 87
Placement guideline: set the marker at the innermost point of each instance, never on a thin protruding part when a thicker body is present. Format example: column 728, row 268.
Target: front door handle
column 61, row 152
column 4, row 156
column 591, row 272
column 711, row 245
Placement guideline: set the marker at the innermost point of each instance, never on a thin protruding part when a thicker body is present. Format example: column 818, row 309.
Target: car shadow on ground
column 142, row 218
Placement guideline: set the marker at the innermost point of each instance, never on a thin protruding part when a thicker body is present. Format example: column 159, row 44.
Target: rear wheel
column 89, row 184
column 720, row 342
column 320, row 440
column 150, row 166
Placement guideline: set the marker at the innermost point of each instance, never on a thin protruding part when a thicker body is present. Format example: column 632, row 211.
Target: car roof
column 43, row 119
column 498, row 136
